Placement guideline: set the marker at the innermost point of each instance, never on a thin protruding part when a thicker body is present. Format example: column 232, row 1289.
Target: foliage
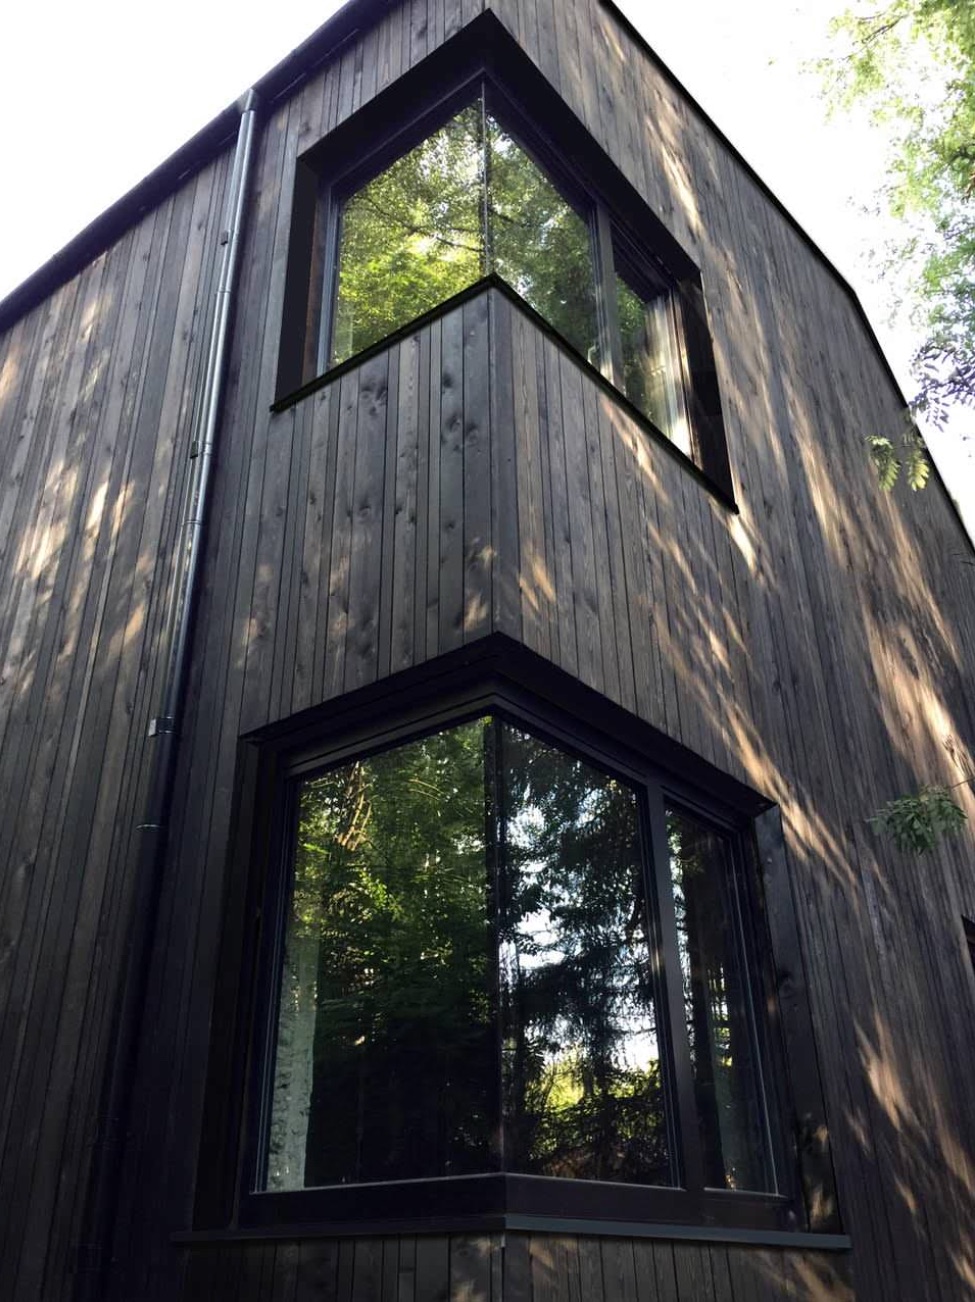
column 912, row 459
column 465, row 201
column 917, row 822
column 472, row 879
column 912, row 62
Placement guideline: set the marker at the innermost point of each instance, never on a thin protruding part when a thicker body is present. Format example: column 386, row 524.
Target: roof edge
column 188, row 159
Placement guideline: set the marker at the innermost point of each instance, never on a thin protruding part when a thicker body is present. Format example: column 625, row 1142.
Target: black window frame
column 503, row 679
column 544, row 126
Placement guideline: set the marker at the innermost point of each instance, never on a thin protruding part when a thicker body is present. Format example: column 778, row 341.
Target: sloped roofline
column 280, row 83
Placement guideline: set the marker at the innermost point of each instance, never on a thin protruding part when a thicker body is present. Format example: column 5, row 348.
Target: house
column 453, row 646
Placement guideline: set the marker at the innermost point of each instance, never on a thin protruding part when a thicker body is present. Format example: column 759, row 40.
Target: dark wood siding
column 473, row 477
column 516, row 1268
column 97, row 386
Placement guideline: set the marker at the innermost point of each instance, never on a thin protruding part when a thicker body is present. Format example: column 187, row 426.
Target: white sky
column 95, row 93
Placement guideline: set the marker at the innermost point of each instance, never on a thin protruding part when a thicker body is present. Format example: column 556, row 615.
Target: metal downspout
column 93, row 1257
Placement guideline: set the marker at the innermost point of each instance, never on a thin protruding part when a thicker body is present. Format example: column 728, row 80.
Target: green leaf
column 917, row 468
column 916, row 823
column 911, row 64
column 885, row 460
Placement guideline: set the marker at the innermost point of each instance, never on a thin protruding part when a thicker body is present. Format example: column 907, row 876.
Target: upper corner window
column 472, row 189
column 464, row 202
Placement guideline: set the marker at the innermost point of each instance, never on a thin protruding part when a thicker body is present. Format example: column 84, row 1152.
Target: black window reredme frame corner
column 622, row 229
column 501, row 679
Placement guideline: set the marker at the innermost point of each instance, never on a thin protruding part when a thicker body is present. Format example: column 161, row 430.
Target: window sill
column 483, row 286
column 518, row 1223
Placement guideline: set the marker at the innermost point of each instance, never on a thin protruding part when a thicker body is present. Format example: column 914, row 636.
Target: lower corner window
column 501, row 955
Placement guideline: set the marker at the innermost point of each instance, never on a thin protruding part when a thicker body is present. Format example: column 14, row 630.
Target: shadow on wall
column 829, row 624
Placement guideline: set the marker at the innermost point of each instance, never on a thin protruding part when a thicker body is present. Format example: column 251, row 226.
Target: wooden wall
column 96, row 387
column 510, row 1268
column 473, row 477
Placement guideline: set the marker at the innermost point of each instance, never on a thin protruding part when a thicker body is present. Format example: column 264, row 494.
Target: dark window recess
column 489, row 182
column 970, row 938
column 493, row 947
column 465, row 202
column 467, row 982
column 719, row 1017
column 501, row 955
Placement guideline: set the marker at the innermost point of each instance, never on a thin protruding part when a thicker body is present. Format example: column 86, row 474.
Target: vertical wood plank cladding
column 338, row 595
column 405, row 508
column 585, row 579
column 432, row 1268
column 406, row 1277
column 431, row 608
column 516, row 1277
column 96, row 411
column 366, row 550
column 471, row 1268
column 320, row 537
column 506, row 503
column 609, row 585
column 535, row 571
column 423, row 499
column 197, row 295
column 451, row 482
column 474, row 477
column 645, row 1271
column 477, row 596
column 791, row 619
column 619, row 1270
column 317, row 1271
column 560, row 568
column 514, row 1267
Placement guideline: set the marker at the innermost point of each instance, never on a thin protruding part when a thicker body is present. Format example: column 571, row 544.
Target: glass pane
column 581, row 1067
column 724, row 1057
column 386, row 1037
column 412, row 236
column 540, row 245
column 651, row 358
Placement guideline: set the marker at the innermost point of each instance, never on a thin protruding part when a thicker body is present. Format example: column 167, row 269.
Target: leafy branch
column 890, row 459
column 917, row 822
column 911, row 64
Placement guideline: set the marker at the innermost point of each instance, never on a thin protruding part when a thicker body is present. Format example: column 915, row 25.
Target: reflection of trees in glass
column 432, row 881
column 385, row 1017
column 581, row 1071
column 722, row 1043
column 651, row 365
column 412, row 236
column 465, row 201
column 539, row 244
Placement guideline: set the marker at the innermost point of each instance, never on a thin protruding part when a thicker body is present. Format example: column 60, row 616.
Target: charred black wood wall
column 473, row 477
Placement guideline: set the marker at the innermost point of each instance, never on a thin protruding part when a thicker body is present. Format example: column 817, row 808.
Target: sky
column 94, row 95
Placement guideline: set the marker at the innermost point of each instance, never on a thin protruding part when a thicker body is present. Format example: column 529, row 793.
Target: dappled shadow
column 93, row 404
column 817, row 646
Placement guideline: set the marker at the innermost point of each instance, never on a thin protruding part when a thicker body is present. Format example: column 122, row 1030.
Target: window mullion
column 488, row 264
column 497, row 879
column 330, row 282
column 682, row 1086
column 611, row 349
